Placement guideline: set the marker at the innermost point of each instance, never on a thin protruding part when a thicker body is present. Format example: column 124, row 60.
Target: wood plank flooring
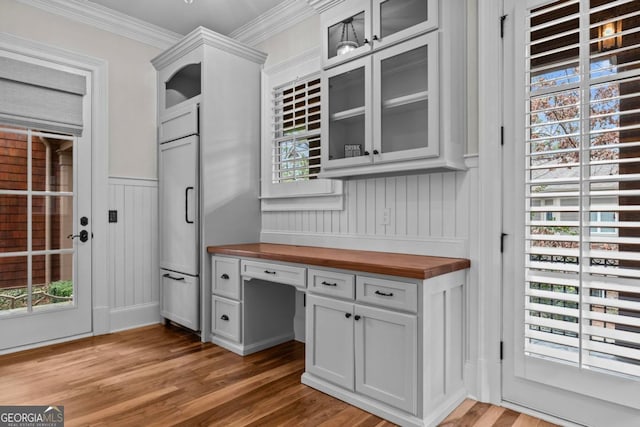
column 163, row 376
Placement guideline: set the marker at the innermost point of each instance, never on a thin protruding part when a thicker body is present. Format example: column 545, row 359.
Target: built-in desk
column 384, row 331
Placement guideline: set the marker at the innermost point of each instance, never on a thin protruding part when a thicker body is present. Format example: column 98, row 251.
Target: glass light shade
column 346, row 46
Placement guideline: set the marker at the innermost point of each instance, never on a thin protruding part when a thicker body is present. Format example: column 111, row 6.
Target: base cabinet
column 364, row 349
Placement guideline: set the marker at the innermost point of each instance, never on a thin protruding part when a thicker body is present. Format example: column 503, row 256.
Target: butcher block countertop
column 392, row 264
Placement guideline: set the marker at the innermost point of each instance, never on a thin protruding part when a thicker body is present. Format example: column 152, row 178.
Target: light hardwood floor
column 162, row 376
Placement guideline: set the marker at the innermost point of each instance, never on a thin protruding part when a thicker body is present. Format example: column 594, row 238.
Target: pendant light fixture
column 345, row 45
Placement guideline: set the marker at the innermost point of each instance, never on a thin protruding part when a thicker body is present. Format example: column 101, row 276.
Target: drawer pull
column 390, row 294
column 225, row 276
column 357, row 317
column 224, row 317
column 269, row 272
column 168, row 276
column 329, row 284
column 347, row 315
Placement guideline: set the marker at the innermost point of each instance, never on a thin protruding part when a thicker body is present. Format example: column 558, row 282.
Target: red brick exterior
column 13, row 209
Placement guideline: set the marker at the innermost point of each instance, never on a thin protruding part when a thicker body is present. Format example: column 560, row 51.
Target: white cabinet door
column 346, row 127
column 329, row 352
column 178, row 186
column 346, row 32
column 386, row 356
column 180, row 297
column 397, row 20
column 405, row 101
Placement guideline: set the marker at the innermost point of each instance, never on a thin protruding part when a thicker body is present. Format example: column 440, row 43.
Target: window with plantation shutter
column 296, row 130
column 582, row 226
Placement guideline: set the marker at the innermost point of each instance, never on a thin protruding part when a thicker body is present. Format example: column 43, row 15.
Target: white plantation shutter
column 582, row 260
column 296, row 130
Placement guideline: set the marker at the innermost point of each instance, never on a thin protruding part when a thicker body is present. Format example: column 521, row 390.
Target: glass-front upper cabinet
column 405, row 99
column 346, row 95
column 355, row 27
column 396, row 20
column 383, row 108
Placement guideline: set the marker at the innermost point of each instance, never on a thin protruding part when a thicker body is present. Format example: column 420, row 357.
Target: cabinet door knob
column 347, row 315
column 366, row 153
column 224, row 317
column 225, row 276
column 357, row 317
column 375, row 37
column 365, row 41
column 390, row 294
column 376, row 152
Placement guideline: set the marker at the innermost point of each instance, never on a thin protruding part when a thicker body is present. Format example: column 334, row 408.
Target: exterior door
column 45, row 237
column 571, row 191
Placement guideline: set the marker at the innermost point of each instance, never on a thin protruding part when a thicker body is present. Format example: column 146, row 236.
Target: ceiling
column 222, row 16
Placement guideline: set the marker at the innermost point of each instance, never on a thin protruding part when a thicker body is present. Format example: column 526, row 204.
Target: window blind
column 582, row 249
column 40, row 97
column 296, row 130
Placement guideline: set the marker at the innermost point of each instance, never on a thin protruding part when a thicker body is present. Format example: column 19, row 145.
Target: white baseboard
column 135, row 316
column 101, row 318
column 427, row 246
column 244, row 350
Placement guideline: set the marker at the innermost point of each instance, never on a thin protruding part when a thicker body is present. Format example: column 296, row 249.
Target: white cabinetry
column 397, row 101
column 355, row 27
column 363, row 349
column 208, row 135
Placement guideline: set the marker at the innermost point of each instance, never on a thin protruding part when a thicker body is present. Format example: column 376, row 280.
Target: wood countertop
column 388, row 263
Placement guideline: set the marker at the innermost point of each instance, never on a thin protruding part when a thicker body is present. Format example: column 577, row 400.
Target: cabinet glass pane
column 346, row 114
column 397, row 15
column 346, row 35
column 404, row 106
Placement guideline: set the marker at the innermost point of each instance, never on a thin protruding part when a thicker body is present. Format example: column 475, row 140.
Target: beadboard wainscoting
column 427, row 214
column 133, row 253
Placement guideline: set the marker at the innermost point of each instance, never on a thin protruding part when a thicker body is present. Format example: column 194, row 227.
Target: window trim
column 317, row 194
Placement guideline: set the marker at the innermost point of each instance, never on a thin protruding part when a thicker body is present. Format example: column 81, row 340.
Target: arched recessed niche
column 183, row 85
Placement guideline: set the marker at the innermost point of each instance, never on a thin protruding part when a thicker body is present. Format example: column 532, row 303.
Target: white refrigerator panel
column 179, row 205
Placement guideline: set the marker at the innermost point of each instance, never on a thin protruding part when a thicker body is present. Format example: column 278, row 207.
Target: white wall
column 132, row 83
column 295, row 40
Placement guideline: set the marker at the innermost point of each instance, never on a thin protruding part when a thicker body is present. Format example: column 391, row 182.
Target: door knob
column 83, row 236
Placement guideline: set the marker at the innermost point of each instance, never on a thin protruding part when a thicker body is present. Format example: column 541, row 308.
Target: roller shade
column 40, row 97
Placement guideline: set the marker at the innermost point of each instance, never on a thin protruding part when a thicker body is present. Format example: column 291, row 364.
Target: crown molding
column 277, row 19
column 204, row 37
column 323, row 5
column 107, row 19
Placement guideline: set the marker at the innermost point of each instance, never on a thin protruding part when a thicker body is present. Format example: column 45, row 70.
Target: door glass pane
column 52, row 164
column 346, row 114
column 13, row 223
column 13, row 161
column 28, row 277
column 346, row 35
column 52, row 222
column 13, row 283
column 397, row 15
column 52, row 280
column 405, row 101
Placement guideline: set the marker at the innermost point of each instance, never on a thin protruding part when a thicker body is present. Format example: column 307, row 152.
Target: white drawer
column 331, row 283
column 225, row 280
column 387, row 293
column 179, row 123
column 275, row 273
column 180, row 299
column 226, row 318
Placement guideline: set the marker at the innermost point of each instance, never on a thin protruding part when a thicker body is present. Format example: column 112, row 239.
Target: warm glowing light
column 346, row 46
column 607, row 33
